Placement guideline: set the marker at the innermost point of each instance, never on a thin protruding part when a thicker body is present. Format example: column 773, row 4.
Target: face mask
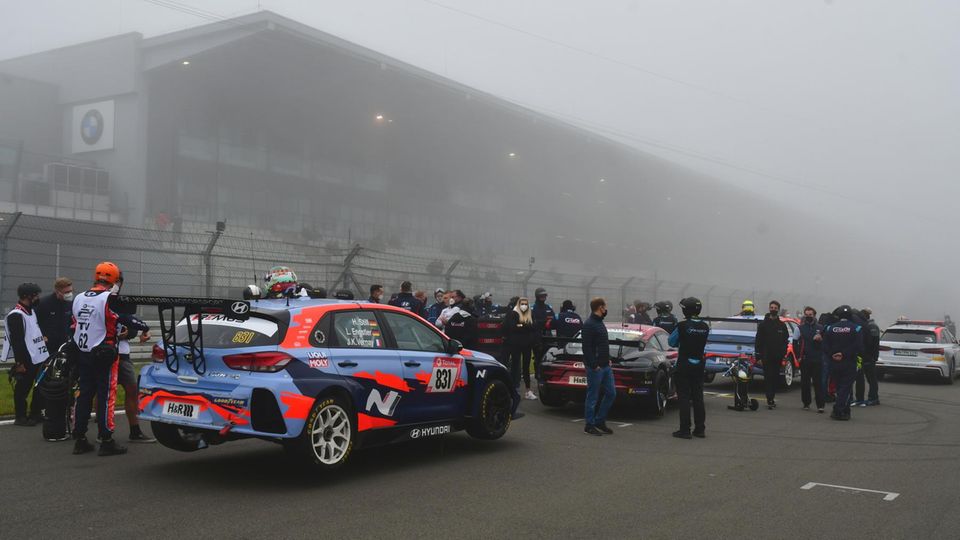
column 808, row 319
column 451, row 302
column 774, row 313
column 524, row 307
column 68, row 297
column 604, row 314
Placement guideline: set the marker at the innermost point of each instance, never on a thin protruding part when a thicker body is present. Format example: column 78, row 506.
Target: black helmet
column 539, row 292
column 691, row 306
column 664, row 307
column 843, row 312
column 26, row 290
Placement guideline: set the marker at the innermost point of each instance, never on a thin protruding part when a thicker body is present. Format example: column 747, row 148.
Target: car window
column 356, row 330
column 222, row 332
column 413, row 335
column 909, row 336
column 662, row 340
column 318, row 338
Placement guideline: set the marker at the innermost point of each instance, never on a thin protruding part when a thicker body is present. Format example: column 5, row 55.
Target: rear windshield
column 222, row 332
column 909, row 336
column 745, row 326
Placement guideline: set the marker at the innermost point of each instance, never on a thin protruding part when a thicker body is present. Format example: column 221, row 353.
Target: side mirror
column 454, row 347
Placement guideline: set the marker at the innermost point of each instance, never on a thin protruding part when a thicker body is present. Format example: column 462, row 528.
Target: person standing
column 543, row 321
column 690, row 336
column 376, row 293
column 770, row 348
column 842, row 342
column 665, row 318
column 519, row 336
column 811, row 362
column 596, row 362
column 640, row 315
column 433, row 312
column 130, row 326
column 95, row 334
column 568, row 321
column 868, row 370
column 406, row 300
column 462, row 325
column 25, row 340
column 746, row 309
column 53, row 314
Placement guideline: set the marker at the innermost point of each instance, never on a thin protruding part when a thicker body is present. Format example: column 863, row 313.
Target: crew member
column 746, row 309
column 433, row 312
column 376, row 293
column 640, row 315
column 519, row 336
column 130, row 327
column 462, row 324
column 868, row 369
column 53, row 314
column 690, row 336
column 771, row 348
column 596, row 361
column 454, row 301
column 543, row 320
column 407, row 300
column 811, row 362
column 842, row 342
column 665, row 318
column 568, row 323
column 25, row 340
column 95, row 334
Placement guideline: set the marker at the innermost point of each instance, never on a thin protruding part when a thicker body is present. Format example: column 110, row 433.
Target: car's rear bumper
column 938, row 368
column 244, row 410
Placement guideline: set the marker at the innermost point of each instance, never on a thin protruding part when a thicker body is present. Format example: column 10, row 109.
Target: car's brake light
column 932, row 351
column 269, row 362
column 158, row 354
column 885, row 348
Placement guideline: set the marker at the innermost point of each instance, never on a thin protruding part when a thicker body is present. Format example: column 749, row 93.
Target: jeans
column 98, row 379
column 868, row 371
column 810, row 376
column 690, row 389
column 844, row 374
column 598, row 379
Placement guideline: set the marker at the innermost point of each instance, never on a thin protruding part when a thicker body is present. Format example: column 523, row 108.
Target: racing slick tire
column 660, row 392
column 175, row 438
column 326, row 442
column 789, row 375
column 549, row 398
column 494, row 414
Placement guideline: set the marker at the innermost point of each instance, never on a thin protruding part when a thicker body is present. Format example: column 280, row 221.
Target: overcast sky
column 847, row 108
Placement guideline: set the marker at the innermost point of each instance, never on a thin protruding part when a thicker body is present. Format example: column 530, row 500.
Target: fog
column 806, row 147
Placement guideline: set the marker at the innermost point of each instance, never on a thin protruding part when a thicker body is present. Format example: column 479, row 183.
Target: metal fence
column 200, row 262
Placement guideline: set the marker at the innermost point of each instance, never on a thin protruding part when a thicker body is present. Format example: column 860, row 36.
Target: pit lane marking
column 618, row 424
column 887, row 495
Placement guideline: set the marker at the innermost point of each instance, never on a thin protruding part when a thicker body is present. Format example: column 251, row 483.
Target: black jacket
column 408, row 302
column 54, row 316
column 463, row 328
column 771, row 342
column 812, row 349
column 568, row 323
column 516, row 334
column 871, row 342
column 596, row 343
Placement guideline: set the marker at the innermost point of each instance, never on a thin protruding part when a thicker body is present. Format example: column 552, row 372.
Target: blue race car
column 735, row 337
column 318, row 376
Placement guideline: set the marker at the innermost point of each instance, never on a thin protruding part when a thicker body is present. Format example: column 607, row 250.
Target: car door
column 358, row 350
column 439, row 380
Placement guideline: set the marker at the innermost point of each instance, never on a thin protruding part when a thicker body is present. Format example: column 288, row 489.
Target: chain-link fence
column 197, row 261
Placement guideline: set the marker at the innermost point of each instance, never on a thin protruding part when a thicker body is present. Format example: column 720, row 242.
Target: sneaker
column 592, row 430
column 682, row 434
column 872, row 402
column 862, row 404
column 820, row 410
column 530, row 395
column 771, row 405
column 82, row 446
column 58, row 439
column 700, row 434
column 25, row 422
column 806, row 407
column 139, row 437
column 110, row 447
column 857, row 403
column 603, row 427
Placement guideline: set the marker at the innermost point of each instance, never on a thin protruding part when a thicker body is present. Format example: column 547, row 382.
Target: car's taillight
column 158, row 354
column 269, row 362
column 885, row 348
column 932, row 351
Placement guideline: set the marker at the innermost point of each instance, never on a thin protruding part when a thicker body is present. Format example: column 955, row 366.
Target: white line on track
column 887, row 495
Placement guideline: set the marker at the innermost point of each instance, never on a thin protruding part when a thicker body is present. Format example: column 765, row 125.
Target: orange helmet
column 107, row 272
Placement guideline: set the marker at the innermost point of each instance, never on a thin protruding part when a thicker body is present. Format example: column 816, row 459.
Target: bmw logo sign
column 91, row 127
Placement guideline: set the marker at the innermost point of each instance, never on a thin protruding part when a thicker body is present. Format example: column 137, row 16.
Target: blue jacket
column 844, row 337
column 691, row 337
column 812, row 350
column 596, row 343
column 543, row 317
column 408, row 302
column 433, row 312
column 568, row 324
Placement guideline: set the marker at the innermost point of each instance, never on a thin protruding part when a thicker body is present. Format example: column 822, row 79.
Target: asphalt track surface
column 544, row 479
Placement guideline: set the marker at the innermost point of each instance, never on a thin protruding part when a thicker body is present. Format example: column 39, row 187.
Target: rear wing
column 167, row 307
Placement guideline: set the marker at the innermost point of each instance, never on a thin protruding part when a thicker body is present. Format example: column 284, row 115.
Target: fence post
column 449, row 274
column 526, row 280
column 623, row 293
column 208, row 259
column 706, row 299
column 345, row 274
column 656, row 288
column 3, row 246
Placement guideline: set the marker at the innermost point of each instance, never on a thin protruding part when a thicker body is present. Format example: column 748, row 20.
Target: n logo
column 385, row 404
